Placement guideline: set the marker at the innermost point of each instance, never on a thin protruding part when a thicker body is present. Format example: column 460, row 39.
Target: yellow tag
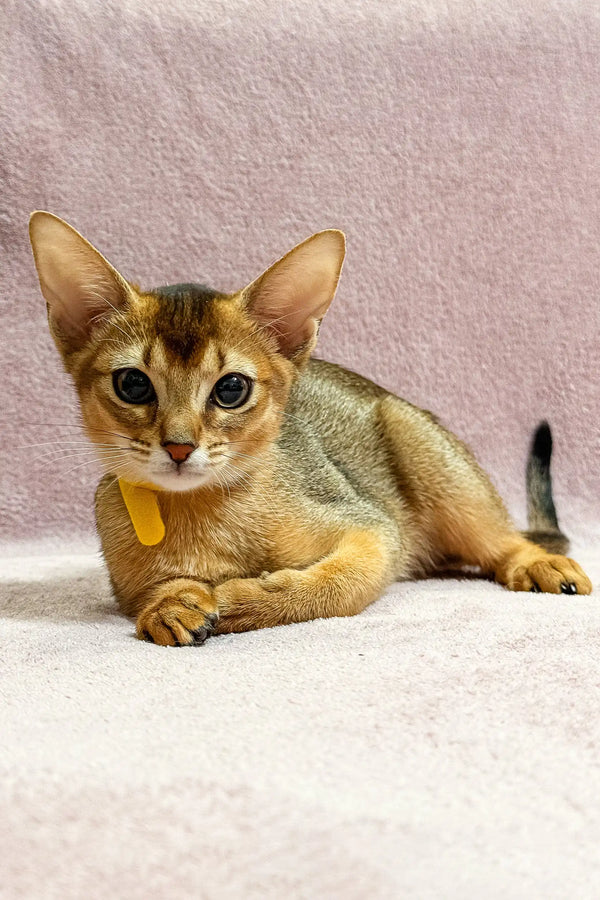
column 142, row 505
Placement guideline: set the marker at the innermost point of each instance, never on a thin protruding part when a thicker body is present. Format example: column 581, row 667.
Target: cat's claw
column 201, row 634
column 548, row 574
column 568, row 588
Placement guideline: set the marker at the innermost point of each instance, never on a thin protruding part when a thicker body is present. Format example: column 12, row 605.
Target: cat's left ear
column 80, row 286
column 292, row 296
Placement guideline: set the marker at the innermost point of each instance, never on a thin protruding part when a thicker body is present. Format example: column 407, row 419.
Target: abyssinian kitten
column 248, row 485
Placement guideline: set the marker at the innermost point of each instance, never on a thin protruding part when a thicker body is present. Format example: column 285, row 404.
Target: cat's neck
column 224, row 500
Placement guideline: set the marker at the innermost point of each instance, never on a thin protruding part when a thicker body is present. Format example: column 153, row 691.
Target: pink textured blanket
column 456, row 144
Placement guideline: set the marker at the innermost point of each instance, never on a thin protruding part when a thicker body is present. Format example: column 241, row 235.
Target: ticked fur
column 307, row 500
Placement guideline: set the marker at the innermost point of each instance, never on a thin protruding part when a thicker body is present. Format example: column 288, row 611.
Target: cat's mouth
column 183, row 477
column 197, row 471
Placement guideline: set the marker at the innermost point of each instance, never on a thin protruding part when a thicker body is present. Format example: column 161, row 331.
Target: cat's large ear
column 80, row 286
column 292, row 296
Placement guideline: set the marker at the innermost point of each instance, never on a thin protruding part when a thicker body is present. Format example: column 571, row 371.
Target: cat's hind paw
column 549, row 574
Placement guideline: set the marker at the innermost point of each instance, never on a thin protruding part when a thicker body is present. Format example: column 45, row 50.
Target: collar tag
column 142, row 505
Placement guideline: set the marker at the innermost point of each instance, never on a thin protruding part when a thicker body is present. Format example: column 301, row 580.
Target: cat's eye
column 231, row 390
column 133, row 386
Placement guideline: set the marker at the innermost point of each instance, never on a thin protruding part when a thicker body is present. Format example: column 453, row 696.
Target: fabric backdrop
column 456, row 144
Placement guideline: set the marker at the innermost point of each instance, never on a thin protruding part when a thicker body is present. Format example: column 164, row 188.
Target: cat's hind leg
column 457, row 511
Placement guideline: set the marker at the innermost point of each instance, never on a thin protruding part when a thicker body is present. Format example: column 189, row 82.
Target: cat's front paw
column 180, row 613
column 246, row 604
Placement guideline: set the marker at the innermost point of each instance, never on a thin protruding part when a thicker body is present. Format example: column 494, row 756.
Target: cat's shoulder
column 328, row 384
column 319, row 372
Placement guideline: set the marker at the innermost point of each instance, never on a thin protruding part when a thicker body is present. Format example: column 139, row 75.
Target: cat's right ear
column 80, row 286
column 290, row 299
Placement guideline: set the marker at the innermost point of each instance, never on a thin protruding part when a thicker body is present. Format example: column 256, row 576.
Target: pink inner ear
column 82, row 306
column 79, row 285
column 61, row 312
column 293, row 319
column 296, row 336
column 291, row 297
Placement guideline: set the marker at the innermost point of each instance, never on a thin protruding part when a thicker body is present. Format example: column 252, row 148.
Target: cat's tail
column 543, row 527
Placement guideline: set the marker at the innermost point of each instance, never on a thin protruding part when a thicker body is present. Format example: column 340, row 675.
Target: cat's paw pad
column 550, row 575
column 178, row 621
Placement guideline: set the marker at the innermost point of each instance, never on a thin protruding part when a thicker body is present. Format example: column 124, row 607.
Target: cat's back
column 331, row 416
column 325, row 388
column 336, row 414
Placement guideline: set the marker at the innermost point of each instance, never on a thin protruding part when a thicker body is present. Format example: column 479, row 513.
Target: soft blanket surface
column 445, row 743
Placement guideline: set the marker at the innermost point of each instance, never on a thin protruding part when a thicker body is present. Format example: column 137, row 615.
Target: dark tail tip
column 541, row 446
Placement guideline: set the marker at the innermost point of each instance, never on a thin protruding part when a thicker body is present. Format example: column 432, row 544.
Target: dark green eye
column 133, row 386
column 231, row 390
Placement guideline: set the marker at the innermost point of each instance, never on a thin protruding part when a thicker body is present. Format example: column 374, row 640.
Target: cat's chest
column 210, row 545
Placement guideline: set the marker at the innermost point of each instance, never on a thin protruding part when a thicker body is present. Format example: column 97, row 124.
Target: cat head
column 182, row 387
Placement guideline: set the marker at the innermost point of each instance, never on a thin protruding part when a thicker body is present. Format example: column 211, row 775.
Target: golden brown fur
column 317, row 493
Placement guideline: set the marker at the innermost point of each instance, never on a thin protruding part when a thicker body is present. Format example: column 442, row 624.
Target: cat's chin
column 178, row 483
column 174, row 482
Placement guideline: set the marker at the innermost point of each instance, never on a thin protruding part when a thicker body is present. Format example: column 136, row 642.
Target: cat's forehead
column 188, row 291
column 211, row 356
column 185, row 327
column 182, row 321
column 182, row 315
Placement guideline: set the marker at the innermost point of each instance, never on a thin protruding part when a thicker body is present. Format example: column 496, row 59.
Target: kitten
column 247, row 485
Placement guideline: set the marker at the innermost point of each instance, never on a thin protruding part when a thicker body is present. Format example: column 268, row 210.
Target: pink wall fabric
column 456, row 144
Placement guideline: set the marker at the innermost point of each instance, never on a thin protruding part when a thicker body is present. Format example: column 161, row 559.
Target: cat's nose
column 179, row 452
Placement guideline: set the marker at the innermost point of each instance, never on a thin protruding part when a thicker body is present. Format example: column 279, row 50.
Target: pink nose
column 179, row 452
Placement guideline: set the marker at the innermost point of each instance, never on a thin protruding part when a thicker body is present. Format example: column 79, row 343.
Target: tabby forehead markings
column 212, row 359
column 184, row 319
column 157, row 356
column 237, row 362
column 131, row 357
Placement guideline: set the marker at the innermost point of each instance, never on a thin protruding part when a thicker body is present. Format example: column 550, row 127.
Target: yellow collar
column 142, row 505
